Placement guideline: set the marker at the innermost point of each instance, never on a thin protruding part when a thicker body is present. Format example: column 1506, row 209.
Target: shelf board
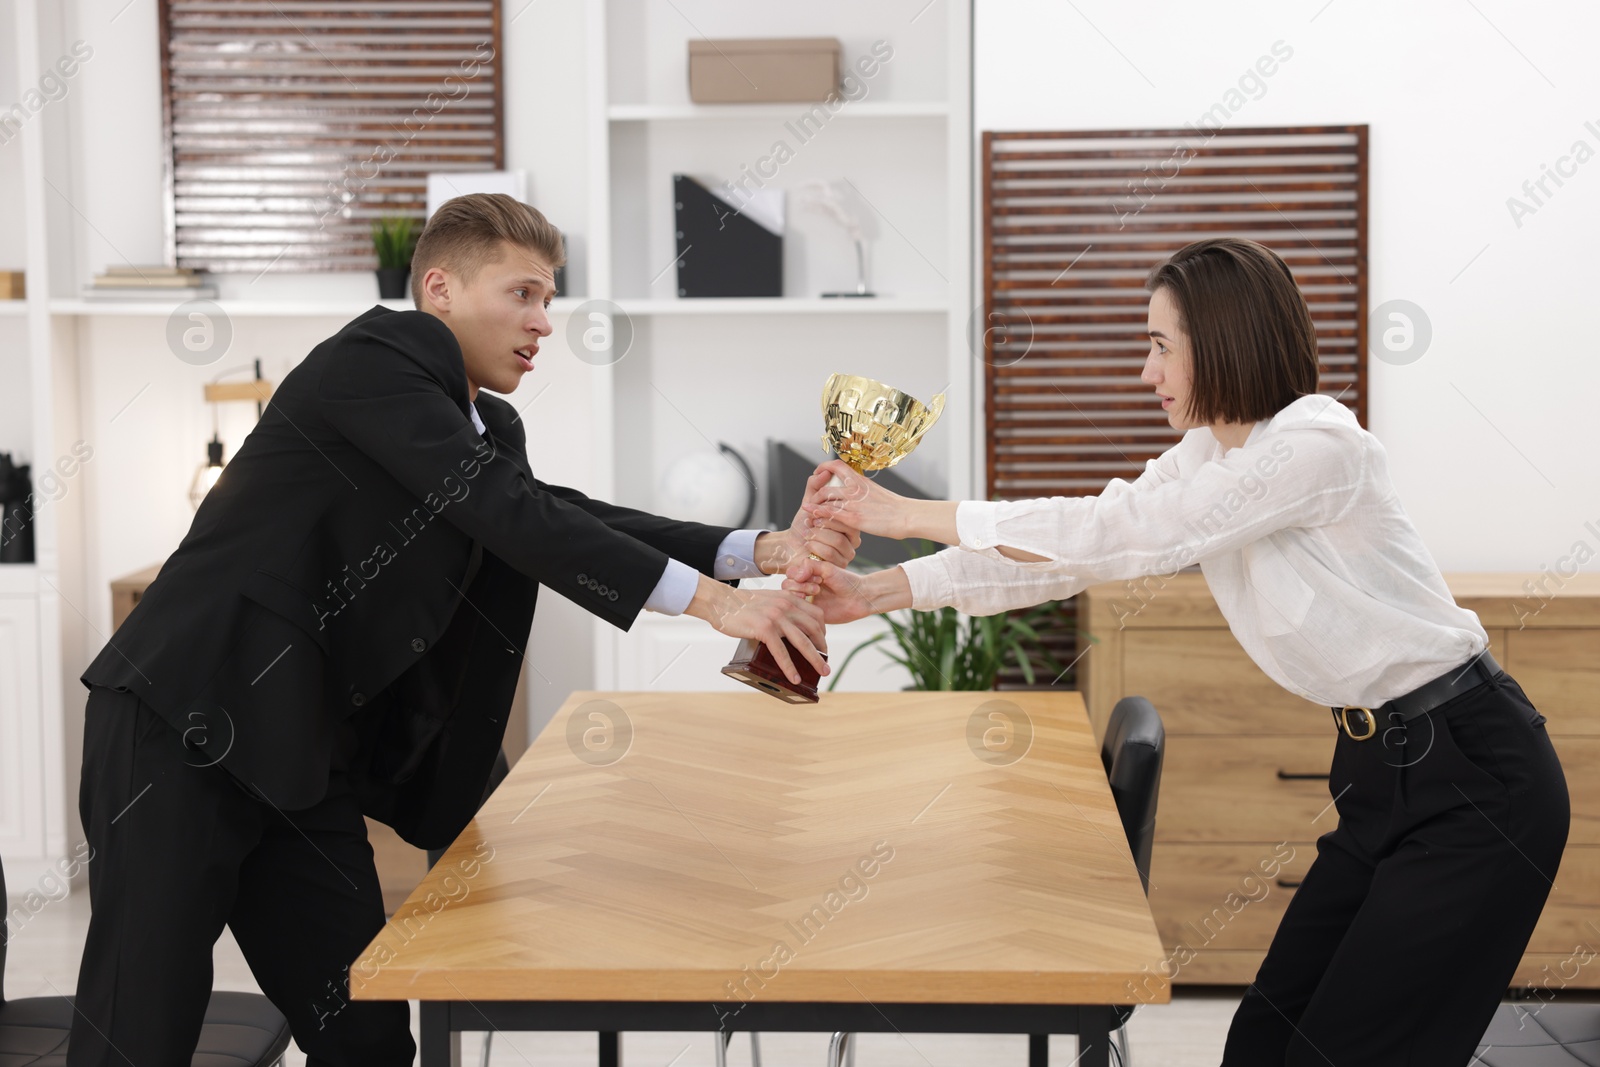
column 741, row 305
column 13, row 307
column 252, row 308
column 925, row 109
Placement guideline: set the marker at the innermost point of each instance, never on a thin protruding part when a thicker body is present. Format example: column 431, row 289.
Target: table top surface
column 910, row 847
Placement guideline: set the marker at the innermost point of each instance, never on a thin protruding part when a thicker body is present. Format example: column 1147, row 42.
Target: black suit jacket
column 356, row 592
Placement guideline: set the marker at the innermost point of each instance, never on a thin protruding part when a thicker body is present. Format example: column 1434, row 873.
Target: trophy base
column 753, row 665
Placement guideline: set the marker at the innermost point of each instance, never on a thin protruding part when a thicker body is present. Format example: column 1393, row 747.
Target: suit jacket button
column 583, row 579
column 358, row 699
column 418, row 644
column 613, row 594
column 602, row 590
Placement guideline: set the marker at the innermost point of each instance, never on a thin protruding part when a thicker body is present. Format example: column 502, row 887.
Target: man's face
column 498, row 317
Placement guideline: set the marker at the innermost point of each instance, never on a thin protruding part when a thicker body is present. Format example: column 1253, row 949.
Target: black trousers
column 180, row 849
column 1407, row 928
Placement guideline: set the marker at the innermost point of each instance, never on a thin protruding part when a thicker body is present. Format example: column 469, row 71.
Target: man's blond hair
column 465, row 233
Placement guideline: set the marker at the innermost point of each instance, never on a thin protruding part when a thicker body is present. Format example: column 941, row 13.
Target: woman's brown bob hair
column 1252, row 347
column 465, row 233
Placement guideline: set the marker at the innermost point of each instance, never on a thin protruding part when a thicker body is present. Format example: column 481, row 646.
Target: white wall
column 1491, row 434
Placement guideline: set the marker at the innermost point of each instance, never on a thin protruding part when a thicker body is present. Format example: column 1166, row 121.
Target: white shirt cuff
column 975, row 523
column 674, row 592
column 735, row 559
column 736, row 556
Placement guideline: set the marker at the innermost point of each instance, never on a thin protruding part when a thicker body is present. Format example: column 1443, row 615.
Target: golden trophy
column 871, row 427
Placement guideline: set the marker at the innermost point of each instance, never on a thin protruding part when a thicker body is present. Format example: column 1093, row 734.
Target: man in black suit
column 340, row 633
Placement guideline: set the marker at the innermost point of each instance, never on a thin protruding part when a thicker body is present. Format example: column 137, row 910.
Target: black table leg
column 610, row 1053
column 441, row 1046
column 1038, row 1050
column 1094, row 1038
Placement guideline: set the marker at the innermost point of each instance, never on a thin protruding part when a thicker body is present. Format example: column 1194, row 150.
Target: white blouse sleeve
column 977, row 584
column 1296, row 478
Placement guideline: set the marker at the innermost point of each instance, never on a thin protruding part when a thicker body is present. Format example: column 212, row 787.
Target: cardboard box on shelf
column 763, row 70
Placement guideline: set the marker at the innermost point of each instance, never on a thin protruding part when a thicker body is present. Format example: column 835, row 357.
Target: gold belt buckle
column 1344, row 721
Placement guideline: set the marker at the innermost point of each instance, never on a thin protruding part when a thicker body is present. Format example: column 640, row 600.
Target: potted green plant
column 941, row 653
column 393, row 239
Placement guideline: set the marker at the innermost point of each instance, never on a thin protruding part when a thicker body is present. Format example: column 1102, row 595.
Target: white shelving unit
column 36, row 619
column 743, row 370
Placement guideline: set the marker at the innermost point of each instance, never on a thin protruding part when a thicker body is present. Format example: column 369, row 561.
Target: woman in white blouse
column 1453, row 809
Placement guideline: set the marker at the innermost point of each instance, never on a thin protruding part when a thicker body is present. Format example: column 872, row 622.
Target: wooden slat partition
column 291, row 124
column 1073, row 221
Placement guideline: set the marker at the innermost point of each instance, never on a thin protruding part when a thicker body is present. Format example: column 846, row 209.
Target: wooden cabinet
column 1244, row 790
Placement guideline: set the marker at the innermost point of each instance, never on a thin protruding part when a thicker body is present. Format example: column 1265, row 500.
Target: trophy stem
column 754, row 665
column 869, row 426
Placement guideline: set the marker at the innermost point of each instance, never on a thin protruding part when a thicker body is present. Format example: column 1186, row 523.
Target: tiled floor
column 43, row 960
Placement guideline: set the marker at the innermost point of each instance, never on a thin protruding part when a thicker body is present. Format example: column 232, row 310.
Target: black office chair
column 1532, row 1034
column 240, row 1028
column 1131, row 753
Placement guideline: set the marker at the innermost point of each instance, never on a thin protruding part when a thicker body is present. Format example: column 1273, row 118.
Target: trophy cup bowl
column 870, row 426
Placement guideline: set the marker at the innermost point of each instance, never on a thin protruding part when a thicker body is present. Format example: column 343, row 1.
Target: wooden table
column 920, row 862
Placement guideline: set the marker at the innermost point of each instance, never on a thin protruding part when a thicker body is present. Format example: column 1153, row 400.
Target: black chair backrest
column 1132, row 750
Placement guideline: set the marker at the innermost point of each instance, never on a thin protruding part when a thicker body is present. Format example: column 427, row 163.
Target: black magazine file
column 721, row 251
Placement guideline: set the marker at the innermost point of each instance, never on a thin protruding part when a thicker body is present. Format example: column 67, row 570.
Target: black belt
column 1360, row 723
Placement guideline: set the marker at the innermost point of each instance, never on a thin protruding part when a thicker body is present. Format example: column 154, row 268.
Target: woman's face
column 1167, row 368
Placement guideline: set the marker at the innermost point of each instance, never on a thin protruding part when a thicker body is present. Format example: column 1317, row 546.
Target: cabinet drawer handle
column 1297, row 776
column 1288, row 883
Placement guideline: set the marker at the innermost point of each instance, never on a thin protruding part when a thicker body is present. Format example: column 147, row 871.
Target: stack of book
column 157, row 283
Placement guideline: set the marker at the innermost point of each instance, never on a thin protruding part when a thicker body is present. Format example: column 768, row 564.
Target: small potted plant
column 394, row 241
column 942, row 654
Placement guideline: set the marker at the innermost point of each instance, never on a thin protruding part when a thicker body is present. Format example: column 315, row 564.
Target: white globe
column 704, row 487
